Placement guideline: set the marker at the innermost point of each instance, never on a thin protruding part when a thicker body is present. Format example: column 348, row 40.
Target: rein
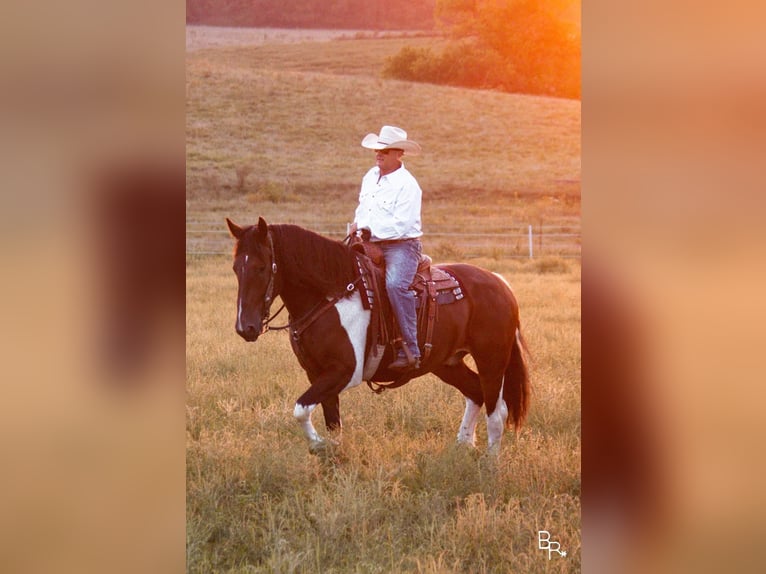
column 312, row 315
column 308, row 319
column 266, row 326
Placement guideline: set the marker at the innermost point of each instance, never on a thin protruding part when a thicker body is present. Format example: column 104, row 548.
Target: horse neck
column 298, row 300
column 311, row 267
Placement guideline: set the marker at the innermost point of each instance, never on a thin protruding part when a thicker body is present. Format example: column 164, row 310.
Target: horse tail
column 516, row 387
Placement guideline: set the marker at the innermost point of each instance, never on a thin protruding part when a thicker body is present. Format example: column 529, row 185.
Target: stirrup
column 403, row 363
column 405, row 359
column 399, row 363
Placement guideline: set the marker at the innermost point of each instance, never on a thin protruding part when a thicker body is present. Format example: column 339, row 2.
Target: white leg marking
column 303, row 416
column 355, row 319
column 467, row 433
column 496, row 423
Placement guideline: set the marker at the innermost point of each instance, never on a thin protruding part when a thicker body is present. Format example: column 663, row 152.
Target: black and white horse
column 318, row 281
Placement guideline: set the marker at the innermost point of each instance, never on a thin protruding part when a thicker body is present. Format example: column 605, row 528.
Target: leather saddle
column 426, row 273
column 432, row 286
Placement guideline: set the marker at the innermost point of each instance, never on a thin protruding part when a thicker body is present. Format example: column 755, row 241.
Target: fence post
column 530, row 242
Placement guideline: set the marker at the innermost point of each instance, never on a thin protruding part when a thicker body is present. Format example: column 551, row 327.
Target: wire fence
column 521, row 241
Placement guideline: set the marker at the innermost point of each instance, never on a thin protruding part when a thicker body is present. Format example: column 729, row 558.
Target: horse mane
column 312, row 260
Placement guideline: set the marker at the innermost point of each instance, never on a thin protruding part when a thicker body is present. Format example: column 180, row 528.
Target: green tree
column 533, row 46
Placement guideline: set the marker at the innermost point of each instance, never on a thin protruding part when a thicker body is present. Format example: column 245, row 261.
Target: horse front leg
column 332, row 420
column 324, row 390
column 302, row 414
column 331, row 411
column 317, row 444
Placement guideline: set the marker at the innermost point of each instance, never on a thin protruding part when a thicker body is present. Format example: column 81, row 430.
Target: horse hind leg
column 467, row 433
column 491, row 376
column 515, row 390
column 467, row 382
column 496, row 423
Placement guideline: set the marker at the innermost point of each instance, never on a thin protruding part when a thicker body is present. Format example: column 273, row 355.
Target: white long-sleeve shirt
column 390, row 207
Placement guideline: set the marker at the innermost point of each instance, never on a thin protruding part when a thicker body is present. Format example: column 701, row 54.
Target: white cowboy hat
column 391, row 137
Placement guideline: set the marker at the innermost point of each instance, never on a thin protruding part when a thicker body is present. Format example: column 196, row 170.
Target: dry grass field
column 274, row 130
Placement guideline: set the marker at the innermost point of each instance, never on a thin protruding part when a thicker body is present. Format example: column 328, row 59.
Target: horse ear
column 263, row 230
column 235, row 230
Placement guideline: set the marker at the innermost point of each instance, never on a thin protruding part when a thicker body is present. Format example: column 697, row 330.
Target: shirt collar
column 394, row 174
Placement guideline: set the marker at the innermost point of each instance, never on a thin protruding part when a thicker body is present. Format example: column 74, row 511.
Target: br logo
column 544, row 543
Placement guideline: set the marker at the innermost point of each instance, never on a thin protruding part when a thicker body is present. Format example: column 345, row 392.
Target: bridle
column 269, row 297
column 302, row 323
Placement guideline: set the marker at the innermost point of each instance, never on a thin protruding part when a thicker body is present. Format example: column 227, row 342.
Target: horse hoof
column 325, row 447
column 494, row 451
column 317, row 447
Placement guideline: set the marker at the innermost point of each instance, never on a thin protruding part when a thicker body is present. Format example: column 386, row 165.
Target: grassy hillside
column 275, row 131
column 339, row 14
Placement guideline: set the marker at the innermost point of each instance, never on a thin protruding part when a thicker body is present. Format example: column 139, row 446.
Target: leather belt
column 393, row 241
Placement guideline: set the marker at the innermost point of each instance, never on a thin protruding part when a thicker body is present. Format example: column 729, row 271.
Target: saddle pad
column 440, row 276
column 446, row 286
column 442, row 297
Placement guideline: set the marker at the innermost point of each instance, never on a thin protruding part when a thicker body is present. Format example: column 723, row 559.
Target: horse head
column 255, row 268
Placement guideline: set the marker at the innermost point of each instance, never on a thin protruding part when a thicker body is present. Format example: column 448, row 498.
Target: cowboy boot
column 405, row 359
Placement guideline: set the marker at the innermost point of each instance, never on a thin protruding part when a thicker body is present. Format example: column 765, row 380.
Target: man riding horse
column 389, row 215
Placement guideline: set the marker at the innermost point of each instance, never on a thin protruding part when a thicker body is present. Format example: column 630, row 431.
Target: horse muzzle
column 249, row 332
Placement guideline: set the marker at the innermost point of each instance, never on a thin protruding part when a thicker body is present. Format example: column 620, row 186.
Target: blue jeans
column 401, row 265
